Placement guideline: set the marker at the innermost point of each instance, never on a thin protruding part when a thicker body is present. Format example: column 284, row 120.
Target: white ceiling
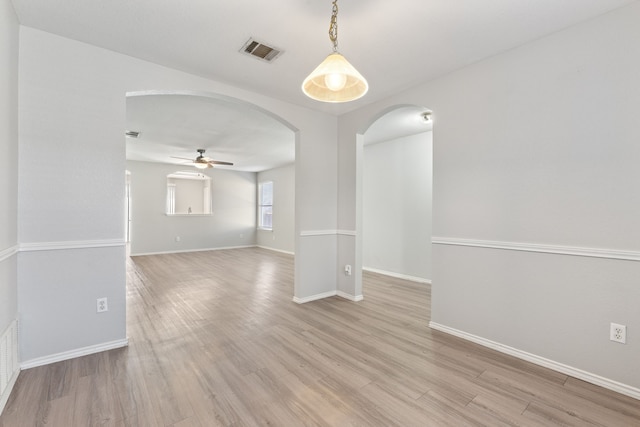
column 231, row 131
column 176, row 125
column 394, row 44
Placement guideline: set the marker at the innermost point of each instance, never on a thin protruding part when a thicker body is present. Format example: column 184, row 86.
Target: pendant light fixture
column 335, row 79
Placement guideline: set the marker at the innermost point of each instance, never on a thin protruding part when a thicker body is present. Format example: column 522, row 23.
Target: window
column 171, row 198
column 265, row 205
column 188, row 193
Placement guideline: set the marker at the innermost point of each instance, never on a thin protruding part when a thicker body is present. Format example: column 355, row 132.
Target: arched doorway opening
column 170, row 127
column 394, row 192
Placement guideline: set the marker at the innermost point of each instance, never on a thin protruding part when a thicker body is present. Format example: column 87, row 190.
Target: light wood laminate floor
column 215, row 339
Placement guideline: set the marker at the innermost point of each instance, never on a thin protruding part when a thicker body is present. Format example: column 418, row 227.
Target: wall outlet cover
column 618, row 333
column 102, row 305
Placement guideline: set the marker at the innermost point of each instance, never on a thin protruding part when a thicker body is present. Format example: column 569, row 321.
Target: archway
column 393, row 191
column 171, row 126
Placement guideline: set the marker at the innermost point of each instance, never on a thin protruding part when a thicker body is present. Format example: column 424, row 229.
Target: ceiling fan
column 202, row 162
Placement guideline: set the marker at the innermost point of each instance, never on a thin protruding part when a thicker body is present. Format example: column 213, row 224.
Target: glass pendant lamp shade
column 335, row 80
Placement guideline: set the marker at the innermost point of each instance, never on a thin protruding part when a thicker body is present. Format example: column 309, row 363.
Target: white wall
column 232, row 224
column 282, row 237
column 8, row 163
column 535, row 156
column 397, row 207
column 536, row 146
column 70, row 209
column 72, row 108
column 189, row 196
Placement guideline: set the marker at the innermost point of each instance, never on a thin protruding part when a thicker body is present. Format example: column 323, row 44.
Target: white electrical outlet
column 618, row 333
column 102, row 305
column 347, row 270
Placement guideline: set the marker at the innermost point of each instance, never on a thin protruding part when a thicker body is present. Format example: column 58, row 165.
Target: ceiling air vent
column 260, row 50
column 132, row 134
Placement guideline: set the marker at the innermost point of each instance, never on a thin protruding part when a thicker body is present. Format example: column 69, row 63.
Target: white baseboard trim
column 327, row 295
column 541, row 361
column 7, row 391
column 314, row 297
column 354, row 298
column 275, row 250
column 79, row 352
column 182, row 251
column 535, row 247
column 398, row 275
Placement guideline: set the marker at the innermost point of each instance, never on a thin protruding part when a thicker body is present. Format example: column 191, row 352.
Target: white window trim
column 261, row 205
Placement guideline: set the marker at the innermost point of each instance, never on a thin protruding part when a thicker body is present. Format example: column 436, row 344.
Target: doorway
column 243, row 142
column 396, row 194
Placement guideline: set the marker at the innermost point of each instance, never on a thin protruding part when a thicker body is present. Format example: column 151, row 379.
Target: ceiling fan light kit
column 202, row 162
column 335, row 79
column 202, row 165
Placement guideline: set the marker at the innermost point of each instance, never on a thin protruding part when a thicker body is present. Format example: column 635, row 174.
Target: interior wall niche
column 188, row 193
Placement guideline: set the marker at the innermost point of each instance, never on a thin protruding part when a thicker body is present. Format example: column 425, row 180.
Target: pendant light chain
column 335, row 79
column 333, row 27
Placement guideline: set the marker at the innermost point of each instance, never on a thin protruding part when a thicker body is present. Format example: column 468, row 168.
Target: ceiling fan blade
column 203, row 160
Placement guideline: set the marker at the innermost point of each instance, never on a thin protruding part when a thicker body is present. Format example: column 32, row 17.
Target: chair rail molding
column 9, row 252
column 309, row 233
column 77, row 244
column 535, row 247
